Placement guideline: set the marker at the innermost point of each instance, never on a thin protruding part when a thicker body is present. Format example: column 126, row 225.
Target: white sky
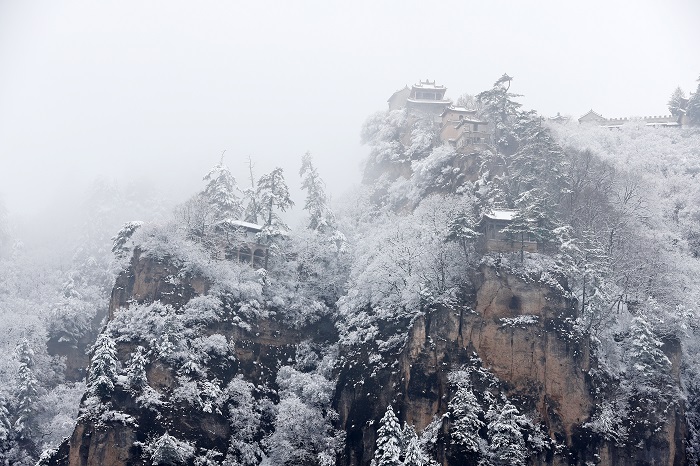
column 130, row 89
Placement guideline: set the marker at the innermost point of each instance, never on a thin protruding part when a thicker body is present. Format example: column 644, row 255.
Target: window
column 244, row 255
column 476, row 126
column 259, row 258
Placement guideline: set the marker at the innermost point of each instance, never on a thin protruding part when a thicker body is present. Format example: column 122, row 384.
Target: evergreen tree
column 647, row 361
column 321, row 218
column 119, row 242
column 168, row 450
column 221, row 193
column 136, row 369
column 693, row 108
column 539, row 162
column 274, row 195
column 464, row 411
column 460, row 230
column 677, row 103
column 253, row 209
column 499, row 108
column 389, row 435
column 103, row 367
column 27, row 393
column 506, row 442
column 5, row 429
column 413, row 451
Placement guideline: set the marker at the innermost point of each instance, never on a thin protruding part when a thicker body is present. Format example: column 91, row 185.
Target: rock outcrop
column 519, row 329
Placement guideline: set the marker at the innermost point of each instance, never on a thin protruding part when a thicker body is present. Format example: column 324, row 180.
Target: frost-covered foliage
column 465, row 414
column 506, row 442
column 485, row 426
column 389, row 439
column 221, row 192
column 303, row 427
column 320, row 216
column 403, row 263
column 120, row 242
column 169, row 450
column 103, row 367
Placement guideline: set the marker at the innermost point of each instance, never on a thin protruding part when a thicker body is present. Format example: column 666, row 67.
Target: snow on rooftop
column 428, row 85
column 452, row 108
column 248, row 225
column 501, row 214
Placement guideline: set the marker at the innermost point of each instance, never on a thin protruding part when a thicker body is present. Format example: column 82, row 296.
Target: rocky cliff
column 517, row 329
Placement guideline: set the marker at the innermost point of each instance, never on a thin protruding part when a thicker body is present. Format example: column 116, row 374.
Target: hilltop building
column 592, row 117
column 463, row 129
column 459, row 126
column 424, row 97
column 238, row 241
column 493, row 239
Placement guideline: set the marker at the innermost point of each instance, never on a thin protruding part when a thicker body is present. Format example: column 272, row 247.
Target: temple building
column 494, row 240
column 424, row 97
column 462, row 129
column 592, row 117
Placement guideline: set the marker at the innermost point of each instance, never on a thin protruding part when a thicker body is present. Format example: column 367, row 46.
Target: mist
column 115, row 92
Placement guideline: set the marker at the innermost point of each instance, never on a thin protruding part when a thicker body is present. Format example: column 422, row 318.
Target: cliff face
column 521, row 330
column 537, row 359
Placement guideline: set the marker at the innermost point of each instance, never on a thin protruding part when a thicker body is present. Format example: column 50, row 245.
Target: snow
column 501, row 214
column 248, row 225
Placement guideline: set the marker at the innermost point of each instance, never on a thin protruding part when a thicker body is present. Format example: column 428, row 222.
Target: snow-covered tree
column 465, row 412
column 244, row 419
column 677, row 103
column 136, row 369
column 221, row 192
column 389, row 435
column 649, row 368
column 119, row 242
column 103, row 367
column 274, row 195
column 27, row 390
column 170, row 451
column 412, row 450
column 499, row 108
column 5, row 428
column 253, row 209
column 320, row 216
column 506, row 442
column 461, row 230
column 693, row 109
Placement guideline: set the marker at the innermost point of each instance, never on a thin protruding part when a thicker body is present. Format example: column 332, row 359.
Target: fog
column 152, row 92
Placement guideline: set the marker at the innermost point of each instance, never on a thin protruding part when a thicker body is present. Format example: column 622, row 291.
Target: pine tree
column 103, row 367
column 274, row 195
column 321, row 219
column 5, row 428
column 253, row 209
column 136, row 369
column 389, row 435
column 221, row 192
column 506, row 442
column 464, row 411
column 119, row 242
column 648, row 367
column 539, row 162
column 413, row 452
column 499, row 108
column 168, row 450
column 677, row 103
column 693, row 108
column 460, row 230
column 27, row 392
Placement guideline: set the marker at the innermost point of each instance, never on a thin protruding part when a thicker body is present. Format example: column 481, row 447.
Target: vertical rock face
column 519, row 328
column 521, row 331
column 148, row 280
